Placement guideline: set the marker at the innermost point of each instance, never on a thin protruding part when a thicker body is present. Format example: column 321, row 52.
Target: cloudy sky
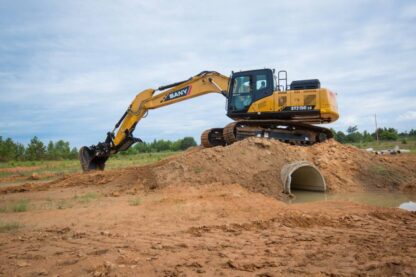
column 69, row 69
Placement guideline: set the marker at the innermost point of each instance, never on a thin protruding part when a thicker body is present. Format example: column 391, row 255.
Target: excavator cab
column 247, row 87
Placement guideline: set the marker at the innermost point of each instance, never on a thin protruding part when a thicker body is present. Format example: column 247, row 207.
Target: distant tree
column 353, row 135
column 62, row 149
column 404, row 134
column 352, row 129
column 50, row 151
column 187, row 142
column 58, row 150
column 367, row 137
column 35, row 150
column 340, row 137
column 74, row 153
column 142, row 147
column 387, row 134
column 176, row 145
column 20, row 152
column 9, row 150
column 161, row 145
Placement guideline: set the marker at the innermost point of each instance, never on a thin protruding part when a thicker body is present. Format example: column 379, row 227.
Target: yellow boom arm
column 94, row 157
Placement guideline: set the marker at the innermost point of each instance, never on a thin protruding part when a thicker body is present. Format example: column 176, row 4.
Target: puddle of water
column 382, row 199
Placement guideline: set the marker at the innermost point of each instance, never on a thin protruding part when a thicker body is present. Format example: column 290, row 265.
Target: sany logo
column 179, row 93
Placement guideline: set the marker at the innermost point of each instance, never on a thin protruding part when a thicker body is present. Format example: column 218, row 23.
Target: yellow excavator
column 261, row 103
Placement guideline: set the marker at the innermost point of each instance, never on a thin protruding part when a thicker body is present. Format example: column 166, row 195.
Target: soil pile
column 256, row 164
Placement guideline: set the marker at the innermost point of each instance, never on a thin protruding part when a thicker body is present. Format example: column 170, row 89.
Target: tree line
column 161, row 146
column 36, row 150
column 352, row 135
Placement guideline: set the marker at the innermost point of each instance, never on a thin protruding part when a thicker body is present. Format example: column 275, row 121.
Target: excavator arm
column 121, row 137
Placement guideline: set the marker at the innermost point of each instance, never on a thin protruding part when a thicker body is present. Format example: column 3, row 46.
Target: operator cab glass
column 248, row 87
column 242, row 93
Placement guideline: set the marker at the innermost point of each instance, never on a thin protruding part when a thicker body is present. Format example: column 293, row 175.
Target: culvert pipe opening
column 302, row 175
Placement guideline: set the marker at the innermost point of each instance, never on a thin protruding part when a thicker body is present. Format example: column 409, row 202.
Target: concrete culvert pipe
column 302, row 175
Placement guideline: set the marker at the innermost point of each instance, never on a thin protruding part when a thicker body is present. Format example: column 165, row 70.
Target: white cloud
column 407, row 116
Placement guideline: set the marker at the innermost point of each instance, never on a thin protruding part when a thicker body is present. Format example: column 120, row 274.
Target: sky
column 69, row 69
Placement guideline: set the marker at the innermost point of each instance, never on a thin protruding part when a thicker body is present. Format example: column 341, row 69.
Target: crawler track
column 282, row 130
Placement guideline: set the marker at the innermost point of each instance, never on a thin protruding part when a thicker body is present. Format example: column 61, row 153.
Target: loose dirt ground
column 213, row 212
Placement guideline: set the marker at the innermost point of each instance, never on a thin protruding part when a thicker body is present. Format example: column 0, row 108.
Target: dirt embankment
column 256, row 165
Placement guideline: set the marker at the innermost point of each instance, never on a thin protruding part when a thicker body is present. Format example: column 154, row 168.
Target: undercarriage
column 285, row 131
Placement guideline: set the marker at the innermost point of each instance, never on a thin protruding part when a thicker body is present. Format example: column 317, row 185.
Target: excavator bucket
column 90, row 161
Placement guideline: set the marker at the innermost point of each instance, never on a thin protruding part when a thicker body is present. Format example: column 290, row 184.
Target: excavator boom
column 121, row 137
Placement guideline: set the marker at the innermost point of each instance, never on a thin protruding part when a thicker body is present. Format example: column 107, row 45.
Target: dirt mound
column 256, row 164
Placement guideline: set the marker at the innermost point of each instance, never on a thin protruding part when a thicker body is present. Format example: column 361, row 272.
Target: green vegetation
column 56, row 168
column 63, row 204
column 15, row 207
column 35, row 150
column 86, row 198
column 8, row 227
column 382, row 145
column 388, row 138
column 135, row 202
column 20, row 206
column 161, row 146
column 61, row 150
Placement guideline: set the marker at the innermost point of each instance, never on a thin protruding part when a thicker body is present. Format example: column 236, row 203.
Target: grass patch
column 63, row 204
column 386, row 173
column 379, row 170
column 20, row 206
column 383, row 145
column 8, row 227
column 135, row 202
column 6, row 174
column 86, row 198
column 70, row 166
column 16, row 207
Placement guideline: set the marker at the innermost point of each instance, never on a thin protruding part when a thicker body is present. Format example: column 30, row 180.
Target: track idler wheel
column 89, row 161
column 212, row 137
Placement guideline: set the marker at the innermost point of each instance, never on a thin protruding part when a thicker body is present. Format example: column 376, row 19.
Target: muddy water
column 383, row 199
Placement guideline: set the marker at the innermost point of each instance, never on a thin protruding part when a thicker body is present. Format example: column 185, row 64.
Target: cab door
column 247, row 87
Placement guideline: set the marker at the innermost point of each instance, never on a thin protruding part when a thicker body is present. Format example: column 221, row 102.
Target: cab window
column 242, row 84
column 261, row 81
column 242, row 93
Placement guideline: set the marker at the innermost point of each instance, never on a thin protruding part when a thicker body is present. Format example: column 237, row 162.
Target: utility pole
column 375, row 120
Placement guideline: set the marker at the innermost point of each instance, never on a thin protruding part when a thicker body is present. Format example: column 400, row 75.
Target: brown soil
column 201, row 213
column 18, row 169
